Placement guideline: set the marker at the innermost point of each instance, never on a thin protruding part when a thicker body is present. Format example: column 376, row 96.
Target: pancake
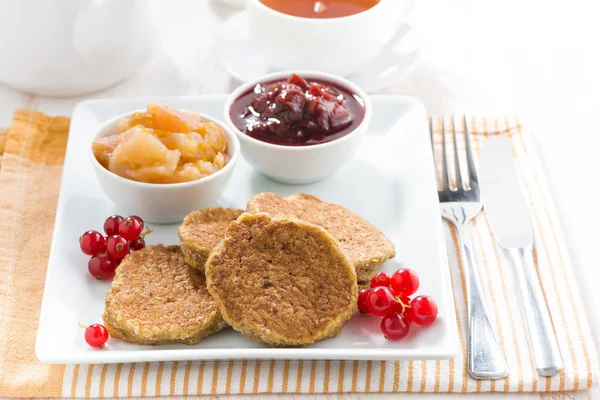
column 362, row 242
column 281, row 281
column 156, row 298
column 202, row 230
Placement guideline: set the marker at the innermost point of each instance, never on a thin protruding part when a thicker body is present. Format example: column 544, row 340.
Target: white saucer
column 236, row 53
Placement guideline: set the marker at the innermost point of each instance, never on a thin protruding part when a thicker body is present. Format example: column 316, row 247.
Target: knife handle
column 485, row 357
column 542, row 340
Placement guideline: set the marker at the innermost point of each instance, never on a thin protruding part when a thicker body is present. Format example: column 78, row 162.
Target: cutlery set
column 498, row 192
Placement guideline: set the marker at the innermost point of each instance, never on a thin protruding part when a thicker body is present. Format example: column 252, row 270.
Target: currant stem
column 146, row 232
column 404, row 306
column 82, row 325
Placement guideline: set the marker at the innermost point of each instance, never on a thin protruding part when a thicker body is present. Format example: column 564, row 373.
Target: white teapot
column 72, row 47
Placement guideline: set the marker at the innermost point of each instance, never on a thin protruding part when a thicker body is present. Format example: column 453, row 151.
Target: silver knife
column 511, row 223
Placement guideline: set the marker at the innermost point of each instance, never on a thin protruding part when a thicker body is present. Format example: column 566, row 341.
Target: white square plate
column 391, row 183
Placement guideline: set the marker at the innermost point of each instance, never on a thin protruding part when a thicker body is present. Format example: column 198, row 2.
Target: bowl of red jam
column 298, row 127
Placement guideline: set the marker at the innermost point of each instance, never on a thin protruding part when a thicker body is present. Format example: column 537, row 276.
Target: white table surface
column 537, row 59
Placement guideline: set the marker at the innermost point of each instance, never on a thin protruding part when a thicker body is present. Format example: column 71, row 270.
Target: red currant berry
column 405, row 282
column 379, row 301
column 92, row 243
column 362, row 300
column 137, row 244
column 423, row 310
column 117, row 247
column 96, row 335
column 102, row 267
column 380, row 279
column 131, row 228
column 394, row 326
column 111, row 225
column 138, row 218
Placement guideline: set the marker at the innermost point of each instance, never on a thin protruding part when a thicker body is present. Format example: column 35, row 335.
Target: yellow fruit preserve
column 163, row 145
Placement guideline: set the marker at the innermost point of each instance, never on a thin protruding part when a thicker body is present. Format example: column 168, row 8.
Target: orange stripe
column 326, row 378
column 117, row 380
column 145, row 378
column 548, row 384
column 173, row 380
column 215, row 377
column 368, row 376
column 286, row 375
column 436, row 384
column 229, row 375
column 200, row 385
column 313, row 373
column 243, row 376
column 423, row 376
column 130, row 379
column 103, row 379
column 382, row 368
column 270, row 377
column 88, row 380
column 186, row 377
column 257, row 366
column 341, row 377
column 438, row 171
column 562, row 265
column 74, row 381
column 299, row 377
column 451, row 366
column 410, row 377
column 158, row 381
column 551, row 263
column 354, row 375
column 396, row 385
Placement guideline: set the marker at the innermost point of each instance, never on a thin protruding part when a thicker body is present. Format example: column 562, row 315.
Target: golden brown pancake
column 364, row 244
column 156, row 298
column 281, row 281
column 202, row 230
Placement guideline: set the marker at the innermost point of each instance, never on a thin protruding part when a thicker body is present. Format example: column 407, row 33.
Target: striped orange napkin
column 29, row 184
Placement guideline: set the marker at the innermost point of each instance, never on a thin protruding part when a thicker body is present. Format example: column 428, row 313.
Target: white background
column 537, row 59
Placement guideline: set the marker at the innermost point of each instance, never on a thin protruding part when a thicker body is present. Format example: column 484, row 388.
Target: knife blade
column 505, row 205
column 509, row 217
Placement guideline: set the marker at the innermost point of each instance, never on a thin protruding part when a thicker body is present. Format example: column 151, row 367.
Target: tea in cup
column 334, row 36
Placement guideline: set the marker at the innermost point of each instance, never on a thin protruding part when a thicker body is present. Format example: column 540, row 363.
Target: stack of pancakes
column 283, row 273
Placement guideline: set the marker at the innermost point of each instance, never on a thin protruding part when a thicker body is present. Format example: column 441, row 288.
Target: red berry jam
column 297, row 112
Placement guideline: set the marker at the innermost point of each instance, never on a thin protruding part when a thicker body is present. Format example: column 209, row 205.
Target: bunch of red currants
column 123, row 235
column 389, row 298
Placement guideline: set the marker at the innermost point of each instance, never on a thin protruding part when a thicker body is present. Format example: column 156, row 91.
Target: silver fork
column 459, row 206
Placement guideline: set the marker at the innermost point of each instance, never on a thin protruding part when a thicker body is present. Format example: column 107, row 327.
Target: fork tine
column 470, row 163
column 430, row 118
column 459, row 181
column 445, row 181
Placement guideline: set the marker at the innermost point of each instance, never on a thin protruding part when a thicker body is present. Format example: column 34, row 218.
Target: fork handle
column 484, row 354
column 542, row 340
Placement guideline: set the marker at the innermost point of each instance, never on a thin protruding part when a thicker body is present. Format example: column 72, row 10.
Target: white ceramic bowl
column 164, row 203
column 73, row 47
column 300, row 164
column 339, row 46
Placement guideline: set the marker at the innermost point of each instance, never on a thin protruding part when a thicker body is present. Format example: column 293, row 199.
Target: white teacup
column 73, row 47
column 339, row 46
